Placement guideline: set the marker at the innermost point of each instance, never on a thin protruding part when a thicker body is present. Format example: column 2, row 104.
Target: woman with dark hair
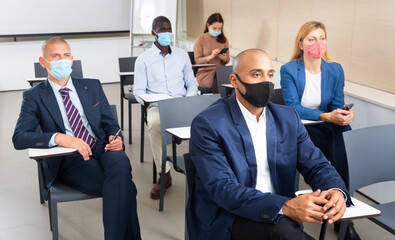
column 207, row 49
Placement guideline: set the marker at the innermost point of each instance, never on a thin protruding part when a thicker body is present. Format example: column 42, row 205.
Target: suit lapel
column 271, row 144
column 324, row 85
column 50, row 102
column 301, row 78
column 242, row 128
column 86, row 102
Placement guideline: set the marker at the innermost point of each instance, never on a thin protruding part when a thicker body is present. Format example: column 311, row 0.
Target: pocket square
column 96, row 104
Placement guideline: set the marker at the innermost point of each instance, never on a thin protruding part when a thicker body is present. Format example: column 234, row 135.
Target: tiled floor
column 23, row 217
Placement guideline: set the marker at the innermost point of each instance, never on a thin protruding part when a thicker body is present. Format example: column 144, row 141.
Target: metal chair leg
column 54, row 219
column 154, row 173
column 142, row 134
column 121, row 106
column 39, row 185
column 130, row 121
column 162, row 184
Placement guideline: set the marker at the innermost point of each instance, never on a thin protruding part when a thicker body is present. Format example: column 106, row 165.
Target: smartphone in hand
column 224, row 50
column 348, row 106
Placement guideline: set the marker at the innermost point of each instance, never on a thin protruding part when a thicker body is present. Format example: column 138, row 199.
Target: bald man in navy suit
column 75, row 113
column 247, row 151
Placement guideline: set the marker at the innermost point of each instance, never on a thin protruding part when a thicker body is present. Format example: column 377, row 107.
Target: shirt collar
column 247, row 115
column 157, row 51
column 57, row 87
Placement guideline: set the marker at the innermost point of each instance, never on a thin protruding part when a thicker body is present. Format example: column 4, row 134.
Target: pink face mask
column 316, row 50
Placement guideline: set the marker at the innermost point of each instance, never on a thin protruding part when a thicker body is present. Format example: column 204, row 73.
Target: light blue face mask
column 214, row 33
column 165, row 38
column 60, row 69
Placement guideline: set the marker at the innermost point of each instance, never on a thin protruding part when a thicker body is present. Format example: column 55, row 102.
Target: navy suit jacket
column 226, row 169
column 293, row 81
column 40, row 108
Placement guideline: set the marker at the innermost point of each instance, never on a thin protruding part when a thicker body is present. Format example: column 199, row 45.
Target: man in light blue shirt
column 162, row 70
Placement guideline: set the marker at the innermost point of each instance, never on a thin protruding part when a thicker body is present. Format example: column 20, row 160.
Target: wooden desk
column 178, row 135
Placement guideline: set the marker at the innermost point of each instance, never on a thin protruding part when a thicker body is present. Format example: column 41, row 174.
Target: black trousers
column 107, row 174
column 328, row 137
column 245, row 229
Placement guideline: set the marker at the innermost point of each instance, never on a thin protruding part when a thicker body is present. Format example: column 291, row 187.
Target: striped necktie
column 75, row 120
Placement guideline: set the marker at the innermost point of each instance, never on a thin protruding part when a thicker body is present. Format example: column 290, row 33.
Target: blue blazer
column 226, row 169
column 293, row 81
column 40, row 108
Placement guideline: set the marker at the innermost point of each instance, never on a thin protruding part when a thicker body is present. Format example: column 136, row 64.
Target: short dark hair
column 157, row 20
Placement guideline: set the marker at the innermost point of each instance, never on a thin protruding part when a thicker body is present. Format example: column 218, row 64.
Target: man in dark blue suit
column 75, row 113
column 246, row 152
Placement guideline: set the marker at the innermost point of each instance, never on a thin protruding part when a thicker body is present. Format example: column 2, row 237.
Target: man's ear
column 42, row 62
column 153, row 33
column 233, row 80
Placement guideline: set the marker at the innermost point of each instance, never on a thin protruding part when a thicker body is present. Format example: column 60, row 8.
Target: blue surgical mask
column 215, row 33
column 165, row 38
column 60, row 69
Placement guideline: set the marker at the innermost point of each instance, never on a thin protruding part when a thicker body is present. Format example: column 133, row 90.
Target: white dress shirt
column 77, row 103
column 258, row 134
column 311, row 97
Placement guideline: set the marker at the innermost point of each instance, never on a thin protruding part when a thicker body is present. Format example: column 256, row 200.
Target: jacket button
column 227, row 229
column 265, row 215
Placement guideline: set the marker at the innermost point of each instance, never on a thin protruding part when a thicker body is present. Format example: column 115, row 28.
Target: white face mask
column 60, row 69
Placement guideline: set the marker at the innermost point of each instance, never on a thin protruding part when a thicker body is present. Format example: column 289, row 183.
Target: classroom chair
column 278, row 97
column 126, row 64
column 371, row 159
column 178, row 112
column 42, row 72
column 223, row 74
column 59, row 191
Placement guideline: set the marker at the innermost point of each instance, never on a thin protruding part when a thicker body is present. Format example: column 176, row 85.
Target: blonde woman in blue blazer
column 313, row 85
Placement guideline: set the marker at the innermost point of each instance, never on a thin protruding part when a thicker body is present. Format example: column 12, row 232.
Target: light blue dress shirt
column 77, row 103
column 157, row 74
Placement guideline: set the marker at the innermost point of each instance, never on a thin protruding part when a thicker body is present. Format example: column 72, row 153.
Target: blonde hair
column 304, row 30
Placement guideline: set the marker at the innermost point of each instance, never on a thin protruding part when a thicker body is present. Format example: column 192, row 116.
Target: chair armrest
column 38, row 153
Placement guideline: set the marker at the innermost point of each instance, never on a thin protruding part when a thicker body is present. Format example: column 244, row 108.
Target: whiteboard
column 63, row 16
column 145, row 11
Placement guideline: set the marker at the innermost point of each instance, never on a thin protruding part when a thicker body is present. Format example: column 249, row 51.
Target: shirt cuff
column 344, row 194
column 52, row 141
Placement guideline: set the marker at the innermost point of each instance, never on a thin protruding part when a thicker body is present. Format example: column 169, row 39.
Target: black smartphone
column 348, row 106
column 224, row 50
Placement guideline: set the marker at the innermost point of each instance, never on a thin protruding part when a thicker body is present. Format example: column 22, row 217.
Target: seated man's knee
column 119, row 161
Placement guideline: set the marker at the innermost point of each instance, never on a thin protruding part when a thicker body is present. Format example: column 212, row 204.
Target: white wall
column 57, row 16
column 368, row 114
column 99, row 59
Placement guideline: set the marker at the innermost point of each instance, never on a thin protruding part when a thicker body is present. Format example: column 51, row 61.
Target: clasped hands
column 83, row 148
column 316, row 206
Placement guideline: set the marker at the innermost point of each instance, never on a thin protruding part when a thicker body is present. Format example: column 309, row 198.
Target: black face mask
column 258, row 94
